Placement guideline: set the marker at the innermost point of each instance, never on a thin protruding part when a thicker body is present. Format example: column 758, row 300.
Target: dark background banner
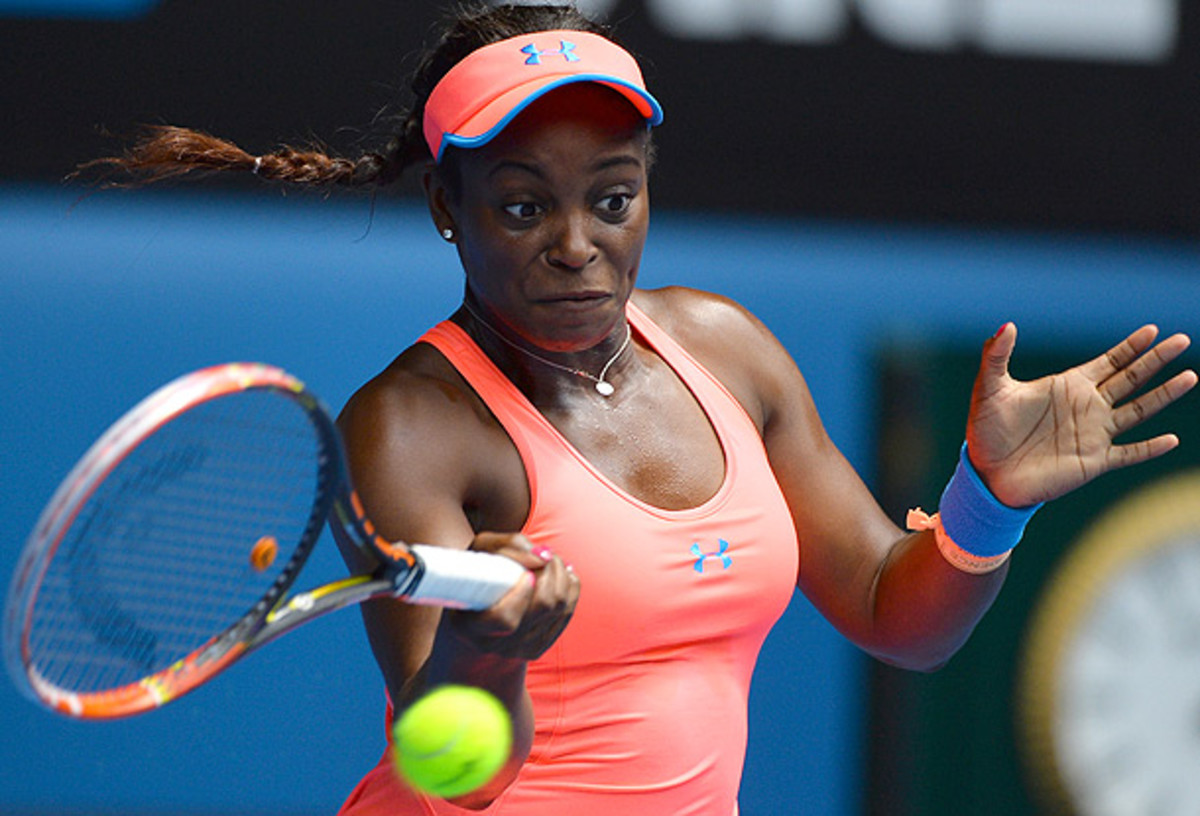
column 964, row 748
column 1078, row 114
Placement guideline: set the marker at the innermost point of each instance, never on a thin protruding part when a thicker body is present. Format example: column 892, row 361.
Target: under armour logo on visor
column 566, row 50
column 719, row 554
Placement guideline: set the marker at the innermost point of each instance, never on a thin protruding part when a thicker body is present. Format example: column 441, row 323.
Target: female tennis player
column 653, row 457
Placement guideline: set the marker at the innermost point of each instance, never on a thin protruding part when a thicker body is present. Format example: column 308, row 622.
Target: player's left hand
column 1035, row 441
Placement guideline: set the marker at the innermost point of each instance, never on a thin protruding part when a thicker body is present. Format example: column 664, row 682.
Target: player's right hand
column 530, row 617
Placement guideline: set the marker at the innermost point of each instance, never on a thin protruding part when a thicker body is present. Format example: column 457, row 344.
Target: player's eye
column 615, row 204
column 523, row 210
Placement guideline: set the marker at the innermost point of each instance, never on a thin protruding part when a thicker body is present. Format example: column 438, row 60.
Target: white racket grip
column 463, row 579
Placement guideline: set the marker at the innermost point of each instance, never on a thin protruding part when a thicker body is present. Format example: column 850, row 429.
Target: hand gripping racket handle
column 463, row 579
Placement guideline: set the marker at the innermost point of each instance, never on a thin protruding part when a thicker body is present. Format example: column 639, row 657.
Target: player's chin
column 577, row 323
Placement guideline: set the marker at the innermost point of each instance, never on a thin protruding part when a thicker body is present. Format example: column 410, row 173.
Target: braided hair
column 166, row 152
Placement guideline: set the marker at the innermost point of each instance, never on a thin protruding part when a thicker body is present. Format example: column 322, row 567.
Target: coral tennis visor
column 480, row 95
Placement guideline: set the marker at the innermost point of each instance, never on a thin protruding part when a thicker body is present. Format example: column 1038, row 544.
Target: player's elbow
column 918, row 655
column 924, row 665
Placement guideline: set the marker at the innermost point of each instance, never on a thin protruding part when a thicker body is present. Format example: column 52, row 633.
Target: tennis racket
column 170, row 549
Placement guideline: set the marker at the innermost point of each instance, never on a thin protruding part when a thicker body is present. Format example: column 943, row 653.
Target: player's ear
column 439, row 199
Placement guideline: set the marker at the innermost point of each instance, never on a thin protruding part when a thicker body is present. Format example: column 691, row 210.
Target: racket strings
column 158, row 559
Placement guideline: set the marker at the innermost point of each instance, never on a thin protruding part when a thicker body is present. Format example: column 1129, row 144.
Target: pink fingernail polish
column 544, row 553
column 1001, row 330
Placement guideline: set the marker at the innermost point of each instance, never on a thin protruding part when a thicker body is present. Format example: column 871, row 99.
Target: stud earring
column 448, row 234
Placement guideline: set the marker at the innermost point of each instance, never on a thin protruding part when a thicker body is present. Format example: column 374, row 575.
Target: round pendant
column 605, row 389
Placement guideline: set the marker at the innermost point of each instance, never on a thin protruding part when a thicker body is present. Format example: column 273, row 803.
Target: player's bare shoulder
column 419, row 428
column 417, row 400
column 704, row 322
column 725, row 337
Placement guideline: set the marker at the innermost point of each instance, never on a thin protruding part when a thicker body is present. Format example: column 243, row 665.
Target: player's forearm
column 923, row 608
column 456, row 660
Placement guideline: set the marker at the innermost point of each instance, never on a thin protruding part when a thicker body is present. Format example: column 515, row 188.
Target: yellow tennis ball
column 452, row 741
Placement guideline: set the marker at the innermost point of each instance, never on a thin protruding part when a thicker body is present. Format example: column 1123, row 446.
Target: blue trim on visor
column 468, row 142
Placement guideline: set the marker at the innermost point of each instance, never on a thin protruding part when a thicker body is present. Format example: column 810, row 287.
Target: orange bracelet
column 959, row 558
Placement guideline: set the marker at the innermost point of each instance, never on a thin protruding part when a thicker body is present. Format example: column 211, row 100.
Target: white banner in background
column 1096, row 30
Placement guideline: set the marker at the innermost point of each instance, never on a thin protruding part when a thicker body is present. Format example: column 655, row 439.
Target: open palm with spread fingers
column 1035, row 441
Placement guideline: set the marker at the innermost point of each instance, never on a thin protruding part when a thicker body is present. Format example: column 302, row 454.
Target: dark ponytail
column 168, row 152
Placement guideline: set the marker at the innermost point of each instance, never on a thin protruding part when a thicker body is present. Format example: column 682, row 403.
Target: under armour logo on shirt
column 566, row 50
column 719, row 554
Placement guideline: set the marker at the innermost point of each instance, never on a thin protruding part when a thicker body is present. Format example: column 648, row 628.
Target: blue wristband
column 974, row 519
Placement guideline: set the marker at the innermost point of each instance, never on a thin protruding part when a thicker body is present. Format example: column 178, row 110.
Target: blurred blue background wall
column 103, row 298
